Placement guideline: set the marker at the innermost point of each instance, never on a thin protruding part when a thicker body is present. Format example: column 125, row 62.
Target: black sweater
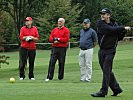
column 109, row 34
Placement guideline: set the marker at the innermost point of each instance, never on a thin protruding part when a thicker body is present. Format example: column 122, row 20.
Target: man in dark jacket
column 109, row 33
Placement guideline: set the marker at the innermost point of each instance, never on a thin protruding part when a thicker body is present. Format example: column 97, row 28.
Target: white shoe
column 82, row 80
column 47, row 80
column 21, row 78
column 32, row 79
column 87, row 80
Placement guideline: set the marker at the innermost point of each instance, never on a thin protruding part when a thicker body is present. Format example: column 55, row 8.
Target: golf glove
column 28, row 39
column 56, row 39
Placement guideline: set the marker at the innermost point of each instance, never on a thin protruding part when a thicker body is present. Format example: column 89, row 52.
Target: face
column 60, row 23
column 86, row 25
column 28, row 23
column 105, row 16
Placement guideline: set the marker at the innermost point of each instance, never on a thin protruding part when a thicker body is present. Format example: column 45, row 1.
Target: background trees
column 121, row 10
column 55, row 9
column 46, row 13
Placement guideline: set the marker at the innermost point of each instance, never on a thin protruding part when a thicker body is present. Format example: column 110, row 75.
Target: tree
column 91, row 10
column 3, row 58
column 20, row 9
column 8, row 31
column 121, row 10
column 55, row 9
column 16, row 11
column 1, row 30
column 46, row 13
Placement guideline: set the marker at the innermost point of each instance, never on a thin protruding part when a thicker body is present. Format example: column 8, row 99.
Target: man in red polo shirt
column 60, row 38
column 28, row 36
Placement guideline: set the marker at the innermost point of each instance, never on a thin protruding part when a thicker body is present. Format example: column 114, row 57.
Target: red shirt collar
column 29, row 28
column 61, row 27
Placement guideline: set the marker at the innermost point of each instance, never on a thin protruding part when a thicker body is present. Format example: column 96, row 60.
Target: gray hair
column 62, row 19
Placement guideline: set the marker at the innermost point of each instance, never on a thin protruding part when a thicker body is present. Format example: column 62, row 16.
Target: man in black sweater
column 109, row 33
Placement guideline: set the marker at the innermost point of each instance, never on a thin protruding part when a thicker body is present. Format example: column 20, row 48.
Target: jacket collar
column 28, row 28
column 61, row 27
column 86, row 29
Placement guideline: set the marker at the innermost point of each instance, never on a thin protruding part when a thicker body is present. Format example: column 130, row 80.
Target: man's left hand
column 56, row 39
column 55, row 42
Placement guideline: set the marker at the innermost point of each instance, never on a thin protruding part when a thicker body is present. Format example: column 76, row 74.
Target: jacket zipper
column 102, row 40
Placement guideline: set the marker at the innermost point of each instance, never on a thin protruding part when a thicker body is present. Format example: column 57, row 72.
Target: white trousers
column 85, row 63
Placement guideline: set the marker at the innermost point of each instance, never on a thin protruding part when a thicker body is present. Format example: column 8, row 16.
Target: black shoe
column 98, row 94
column 117, row 92
column 60, row 78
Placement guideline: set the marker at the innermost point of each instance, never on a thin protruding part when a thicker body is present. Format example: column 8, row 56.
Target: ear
column 109, row 15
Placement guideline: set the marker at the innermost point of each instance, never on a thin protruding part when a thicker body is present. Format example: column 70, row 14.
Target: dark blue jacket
column 109, row 34
column 87, row 38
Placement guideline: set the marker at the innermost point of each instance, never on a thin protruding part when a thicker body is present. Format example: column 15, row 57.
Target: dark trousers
column 106, row 61
column 24, row 55
column 57, row 53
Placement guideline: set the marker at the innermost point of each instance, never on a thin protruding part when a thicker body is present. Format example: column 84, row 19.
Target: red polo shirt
column 63, row 34
column 28, row 32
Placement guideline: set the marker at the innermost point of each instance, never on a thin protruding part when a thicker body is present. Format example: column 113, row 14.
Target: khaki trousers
column 85, row 63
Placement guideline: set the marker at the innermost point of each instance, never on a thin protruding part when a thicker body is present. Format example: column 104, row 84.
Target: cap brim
column 86, row 22
column 28, row 20
column 102, row 12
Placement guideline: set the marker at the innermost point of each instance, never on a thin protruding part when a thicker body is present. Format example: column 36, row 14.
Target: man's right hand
column 127, row 28
column 55, row 42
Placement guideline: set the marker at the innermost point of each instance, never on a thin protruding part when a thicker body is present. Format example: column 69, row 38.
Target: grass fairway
column 70, row 88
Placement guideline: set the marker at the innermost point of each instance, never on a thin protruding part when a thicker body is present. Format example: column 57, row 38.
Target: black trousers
column 57, row 53
column 106, row 61
column 24, row 55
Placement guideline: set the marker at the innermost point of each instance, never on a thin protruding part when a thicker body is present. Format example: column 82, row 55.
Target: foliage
column 58, row 9
column 121, row 10
column 3, row 60
column 1, row 31
column 8, row 33
column 46, row 13
column 16, row 12
column 20, row 9
column 91, row 10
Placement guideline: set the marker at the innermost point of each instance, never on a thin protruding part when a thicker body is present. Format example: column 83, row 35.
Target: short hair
column 62, row 19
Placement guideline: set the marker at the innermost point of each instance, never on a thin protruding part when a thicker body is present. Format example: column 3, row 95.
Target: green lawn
column 70, row 88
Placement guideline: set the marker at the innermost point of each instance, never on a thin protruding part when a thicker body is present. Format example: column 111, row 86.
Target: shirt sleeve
column 94, row 36
column 65, row 39
column 78, row 39
column 51, row 38
column 108, row 29
column 21, row 34
column 37, row 34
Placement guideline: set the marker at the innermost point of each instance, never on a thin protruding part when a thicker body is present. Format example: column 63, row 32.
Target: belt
column 83, row 48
